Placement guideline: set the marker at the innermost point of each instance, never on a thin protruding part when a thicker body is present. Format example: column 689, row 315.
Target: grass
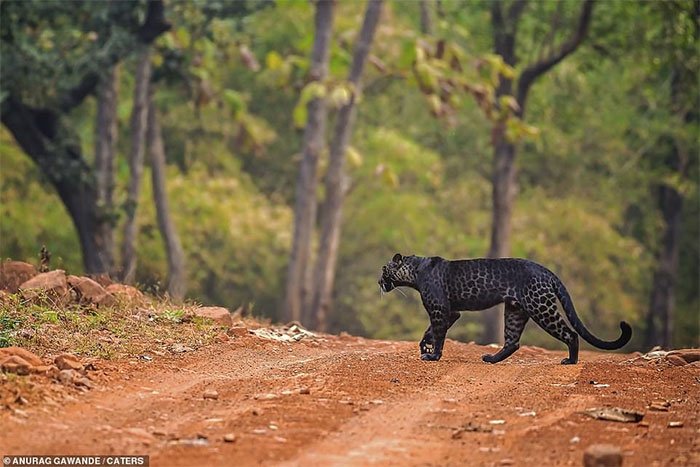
column 45, row 326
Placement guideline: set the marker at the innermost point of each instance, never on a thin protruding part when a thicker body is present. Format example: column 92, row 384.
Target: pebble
column 210, row 394
column 229, row 437
column 602, row 455
column 675, row 424
column 304, row 391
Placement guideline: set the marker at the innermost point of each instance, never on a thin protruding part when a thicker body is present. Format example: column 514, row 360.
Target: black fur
column 528, row 290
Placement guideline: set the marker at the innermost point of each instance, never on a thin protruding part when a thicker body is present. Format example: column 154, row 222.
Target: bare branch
column 153, row 26
column 535, row 70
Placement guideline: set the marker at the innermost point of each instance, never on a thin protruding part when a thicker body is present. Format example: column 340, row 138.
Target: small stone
column 676, row 360
column 90, row 292
column 238, row 331
column 229, row 437
column 689, row 355
column 68, row 361
column 507, row 462
column 83, row 382
column 497, row 422
column 675, row 424
column 15, row 273
column 125, row 293
column 181, row 348
column 66, row 376
column 280, row 439
column 51, row 285
column 376, row 402
column 602, row 455
column 25, row 354
column 304, row 391
column 257, row 412
column 643, row 424
column 215, row 313
column 15, row 364
column 575, row 440
column 210, row 394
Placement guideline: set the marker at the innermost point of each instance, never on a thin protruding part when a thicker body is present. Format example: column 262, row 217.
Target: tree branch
column 537, row 69
column 153, row 26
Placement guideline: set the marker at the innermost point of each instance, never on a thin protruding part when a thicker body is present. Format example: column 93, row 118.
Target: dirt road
column 351, row 401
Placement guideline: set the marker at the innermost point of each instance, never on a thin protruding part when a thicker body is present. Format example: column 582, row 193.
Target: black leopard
column 528, row 290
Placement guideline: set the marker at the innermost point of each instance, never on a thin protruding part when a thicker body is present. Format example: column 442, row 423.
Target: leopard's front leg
column 437, row 332
column 427, row 344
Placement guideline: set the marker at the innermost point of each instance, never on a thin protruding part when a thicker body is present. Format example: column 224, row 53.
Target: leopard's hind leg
column 543, row 310
column 515, row 321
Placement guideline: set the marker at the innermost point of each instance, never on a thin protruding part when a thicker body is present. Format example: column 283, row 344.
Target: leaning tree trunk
column 299, row 269
column 105, row 156
column 173, row 247
column 37, row 133
column 336, row 179
column 139, row 121
column 504, row 180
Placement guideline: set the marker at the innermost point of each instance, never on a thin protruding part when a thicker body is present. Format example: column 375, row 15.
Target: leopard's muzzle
column 386, row 284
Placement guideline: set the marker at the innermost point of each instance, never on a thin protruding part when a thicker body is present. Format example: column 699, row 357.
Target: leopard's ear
column 397, row 258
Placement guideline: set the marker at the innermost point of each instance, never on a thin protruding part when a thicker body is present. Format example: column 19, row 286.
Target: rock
column 82, row 381
column 52, row 285
column 66, row 376
column 238, row 331
column 103, row 279
column 689, row 355
column 31, row 358
column 15, row 273
column 304, row 391
column 180, row 348
column 676, row 360
column 89, row 291
column 15, row 364
column 215, row 313
column 602, row 455
column 45, row 369
column 229, row 437
column 675, row 424
column 210, row 394
column 68, row 361
column 125, row 293
column 507, row 462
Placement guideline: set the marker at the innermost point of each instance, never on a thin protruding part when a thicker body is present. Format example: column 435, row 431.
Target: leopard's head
column 398, row 271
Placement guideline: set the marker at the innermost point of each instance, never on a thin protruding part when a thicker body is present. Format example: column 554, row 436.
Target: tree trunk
column 503, row 186
column 336, row 180
column 176, row 256
column 426, row 20
column 299, row 269
column 660, row 314
column 662, row 301
column 139, row 121
column 504, row 181
column 37, row 133
column 105, row 156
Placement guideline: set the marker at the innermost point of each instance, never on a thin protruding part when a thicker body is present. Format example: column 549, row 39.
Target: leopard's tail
column 570, row 311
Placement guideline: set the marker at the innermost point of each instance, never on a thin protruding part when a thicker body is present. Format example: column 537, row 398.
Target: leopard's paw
column 488, row 358
column 568, row 361
column 430, row 357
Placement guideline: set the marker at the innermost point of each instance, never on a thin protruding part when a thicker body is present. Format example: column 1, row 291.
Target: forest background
column 274, row 155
